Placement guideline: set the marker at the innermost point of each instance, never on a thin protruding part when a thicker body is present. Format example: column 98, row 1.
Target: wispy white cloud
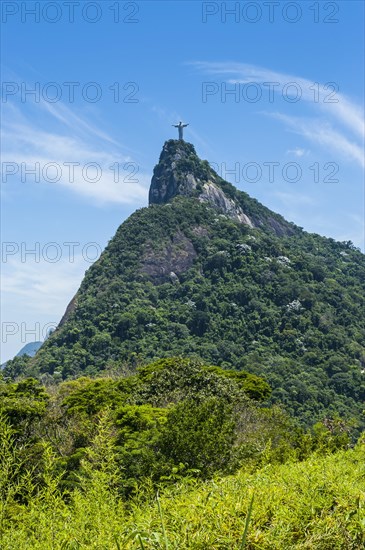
column 322, row 133
column 36, row 293
column 298, row 152
column 324, row 96
column 34, row 298
column 42, row 287
column 331, row 107
column 70, row 119
column 69, row 138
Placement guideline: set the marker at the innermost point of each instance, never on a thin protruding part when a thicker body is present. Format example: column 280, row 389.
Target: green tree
column 200, row 435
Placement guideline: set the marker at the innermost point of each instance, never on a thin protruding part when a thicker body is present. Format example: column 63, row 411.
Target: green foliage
column 138, row 442
column 200, row 435
column 12, row 482
column 174, row 379
column 274, row 301
column 173, row 419
column 23, row 403
column 299, row 324
column 16, row 367
column 195, row 347
column 88, row 396
column 316, row 504
column 141, row 405
column 254, row 386
column 247, row 522
column 88, row 476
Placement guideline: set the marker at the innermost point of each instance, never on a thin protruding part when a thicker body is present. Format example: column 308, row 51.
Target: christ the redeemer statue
column 180, row 126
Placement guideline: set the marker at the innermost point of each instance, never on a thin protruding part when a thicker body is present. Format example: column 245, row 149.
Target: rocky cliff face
column 181, row 172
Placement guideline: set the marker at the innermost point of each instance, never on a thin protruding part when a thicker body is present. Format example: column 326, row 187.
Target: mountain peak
column 178, row 172
column 181, row 172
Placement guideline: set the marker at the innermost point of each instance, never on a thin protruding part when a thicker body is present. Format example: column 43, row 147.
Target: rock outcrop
column 181, row 172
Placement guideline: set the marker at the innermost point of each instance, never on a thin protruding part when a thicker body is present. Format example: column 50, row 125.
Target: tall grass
column 318, row 504
column 247, row 522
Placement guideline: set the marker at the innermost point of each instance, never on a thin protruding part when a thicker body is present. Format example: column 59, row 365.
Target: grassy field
column 318, row 504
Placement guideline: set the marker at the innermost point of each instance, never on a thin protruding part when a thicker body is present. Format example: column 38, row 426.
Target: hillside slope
column 206, row 271
column 316, row 505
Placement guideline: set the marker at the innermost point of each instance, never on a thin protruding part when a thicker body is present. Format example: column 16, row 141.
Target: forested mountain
column 209, row 273
column 204, row 388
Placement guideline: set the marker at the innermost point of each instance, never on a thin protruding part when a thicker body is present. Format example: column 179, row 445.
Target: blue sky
column 273, row 93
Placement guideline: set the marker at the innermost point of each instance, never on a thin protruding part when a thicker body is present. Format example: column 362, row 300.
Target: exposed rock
column 201, row 231
column 213, row 195
column 279, row 228
column 169, row 262
column 70, row 308
column 181, row 172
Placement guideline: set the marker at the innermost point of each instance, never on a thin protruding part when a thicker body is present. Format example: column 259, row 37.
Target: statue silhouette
column 180, row 127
